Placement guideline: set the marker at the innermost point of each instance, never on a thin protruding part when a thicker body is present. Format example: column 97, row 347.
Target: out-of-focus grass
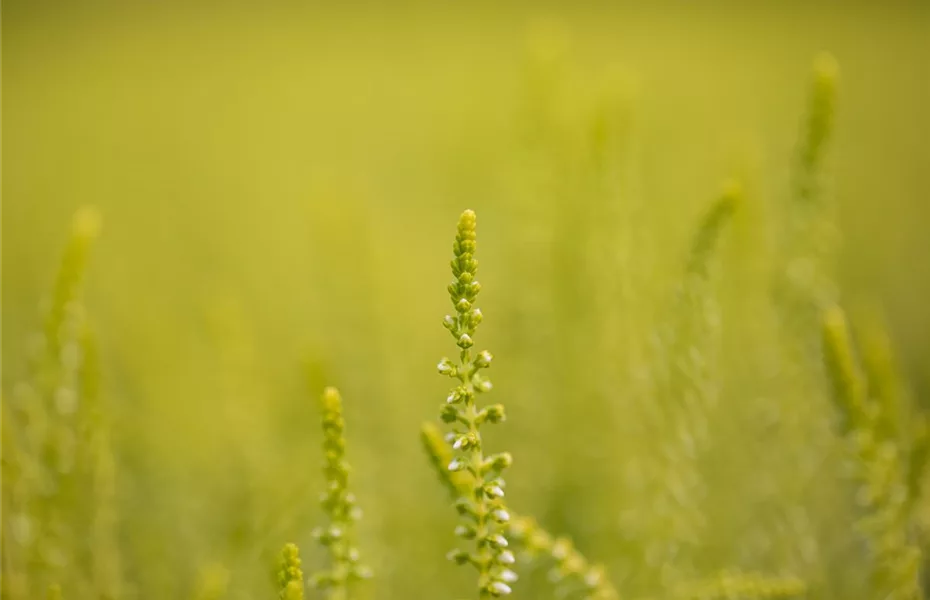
column 277, row 187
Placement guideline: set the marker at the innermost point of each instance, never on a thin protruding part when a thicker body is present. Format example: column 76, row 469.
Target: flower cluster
column 481, row 506
column 340, row 506
column 290, row 576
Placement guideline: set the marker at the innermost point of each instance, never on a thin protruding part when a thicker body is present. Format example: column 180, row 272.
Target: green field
column 279, row 189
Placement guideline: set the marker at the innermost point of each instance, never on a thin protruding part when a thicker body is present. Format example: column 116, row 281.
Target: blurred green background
column 279, row 185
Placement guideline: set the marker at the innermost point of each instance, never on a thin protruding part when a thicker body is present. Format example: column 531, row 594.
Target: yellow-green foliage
column 809, row 241
column 732, row 585
column 879, row 467
column 54, row 592
column 278, row 184
column 58, row 470
column 682, row 394
column 213, row 583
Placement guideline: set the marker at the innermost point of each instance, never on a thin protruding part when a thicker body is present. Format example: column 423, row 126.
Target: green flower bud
column 463, row 442
column 497, row 463
column 482, row 384
column 493, row 414
column 467, row 532
column 459, row 557
column 464, row 507
column 494, row 491
column 448, row 413
column 445, row 367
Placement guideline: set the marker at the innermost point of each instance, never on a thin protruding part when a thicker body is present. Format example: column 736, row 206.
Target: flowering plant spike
column 483, row 514
column 340, row 505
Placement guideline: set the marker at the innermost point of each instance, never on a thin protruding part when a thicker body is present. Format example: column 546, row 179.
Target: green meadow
column 702, row 237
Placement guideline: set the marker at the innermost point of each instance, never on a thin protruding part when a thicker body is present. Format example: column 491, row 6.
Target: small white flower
column 455, row 465
column 506, row 558
column 501, row 515
column 508, row 576
column 495, row 491
column 483, row 360
column 499, row 588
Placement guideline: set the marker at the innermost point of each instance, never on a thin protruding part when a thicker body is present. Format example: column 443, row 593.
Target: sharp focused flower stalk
column 483, row 513
column 341, row 507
